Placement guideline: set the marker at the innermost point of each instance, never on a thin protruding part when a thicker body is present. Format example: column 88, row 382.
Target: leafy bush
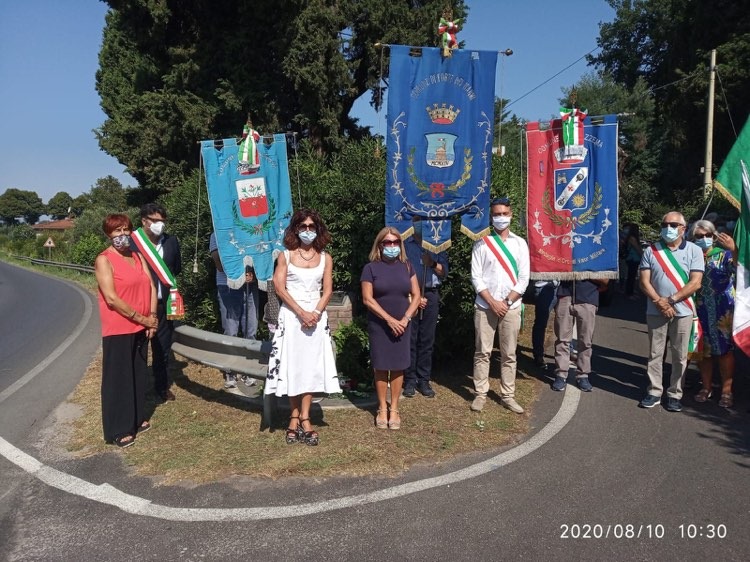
column 84, row 251
column 352, row 352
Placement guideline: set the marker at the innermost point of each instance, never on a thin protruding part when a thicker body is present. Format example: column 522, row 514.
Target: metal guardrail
column 228, row 353
column 73, row 266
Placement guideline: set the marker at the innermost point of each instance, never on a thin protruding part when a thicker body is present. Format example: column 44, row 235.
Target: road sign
column 49, row 243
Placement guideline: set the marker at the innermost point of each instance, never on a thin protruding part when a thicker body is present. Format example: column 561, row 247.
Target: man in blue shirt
column 431, row 270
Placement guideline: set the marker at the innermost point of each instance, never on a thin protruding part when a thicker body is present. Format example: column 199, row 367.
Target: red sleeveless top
column 133, row 285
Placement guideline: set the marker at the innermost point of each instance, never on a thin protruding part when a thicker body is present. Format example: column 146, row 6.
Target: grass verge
column 208, row 434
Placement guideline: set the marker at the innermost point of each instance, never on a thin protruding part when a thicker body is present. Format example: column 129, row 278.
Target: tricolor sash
column 175, row 304
column 679, row 278
column 503, row 255
column 507, row 261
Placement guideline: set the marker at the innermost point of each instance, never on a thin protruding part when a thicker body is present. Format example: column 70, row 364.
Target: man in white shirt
column 500, row 275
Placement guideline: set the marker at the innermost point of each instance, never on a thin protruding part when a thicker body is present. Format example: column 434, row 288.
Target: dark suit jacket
column 172, row 258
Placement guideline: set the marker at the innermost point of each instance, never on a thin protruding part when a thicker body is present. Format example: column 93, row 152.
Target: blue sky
column 48, row 61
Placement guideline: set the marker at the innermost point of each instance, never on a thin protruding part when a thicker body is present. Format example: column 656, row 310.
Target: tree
column 15, row 203
column 108, row 193
column 80, row 204
column 666, row 43
column 173, row 72
column 59, row 205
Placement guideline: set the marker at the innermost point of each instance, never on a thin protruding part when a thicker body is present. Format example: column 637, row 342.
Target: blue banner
column 250, row 209
column 440, row 131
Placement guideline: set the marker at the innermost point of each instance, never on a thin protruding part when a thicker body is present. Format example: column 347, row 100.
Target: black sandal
column 309, row 437
column 294, row 435
column 124, row 441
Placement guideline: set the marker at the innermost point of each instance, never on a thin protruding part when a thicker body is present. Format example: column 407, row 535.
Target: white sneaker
column 512, row 405
column 230, row 381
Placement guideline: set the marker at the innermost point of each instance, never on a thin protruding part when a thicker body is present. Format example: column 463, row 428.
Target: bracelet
column 318, row 312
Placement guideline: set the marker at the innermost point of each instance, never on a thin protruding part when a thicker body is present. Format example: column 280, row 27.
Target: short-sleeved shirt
column 221, row 277
column 690, row 259
column 586, row 292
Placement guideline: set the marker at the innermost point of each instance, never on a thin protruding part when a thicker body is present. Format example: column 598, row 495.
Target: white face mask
column 501, row 223
column 157, row 228
column 307, row 236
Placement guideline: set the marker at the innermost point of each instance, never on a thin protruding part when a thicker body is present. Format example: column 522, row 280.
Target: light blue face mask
column 704, row 243
column 669, row 234
column 391, row 252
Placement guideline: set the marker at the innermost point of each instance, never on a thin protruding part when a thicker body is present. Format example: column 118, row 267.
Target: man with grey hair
column 671, row 271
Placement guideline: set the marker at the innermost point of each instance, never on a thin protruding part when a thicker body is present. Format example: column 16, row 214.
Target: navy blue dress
column 391, row 287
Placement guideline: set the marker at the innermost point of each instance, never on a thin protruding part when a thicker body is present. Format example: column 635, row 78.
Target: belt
column 430, row 289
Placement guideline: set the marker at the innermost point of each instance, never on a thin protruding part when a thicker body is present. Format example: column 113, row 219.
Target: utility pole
column 708, row 164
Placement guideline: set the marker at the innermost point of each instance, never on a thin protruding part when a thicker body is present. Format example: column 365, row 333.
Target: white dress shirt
column 488, row 273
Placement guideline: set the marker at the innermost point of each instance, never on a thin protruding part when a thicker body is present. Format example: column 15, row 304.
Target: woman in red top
column 127, row 308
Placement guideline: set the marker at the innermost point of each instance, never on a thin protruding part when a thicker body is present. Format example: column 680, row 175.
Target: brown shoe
column 726, row 401
column 703, row 395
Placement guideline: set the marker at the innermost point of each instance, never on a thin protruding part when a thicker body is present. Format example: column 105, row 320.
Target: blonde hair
column 376, row 251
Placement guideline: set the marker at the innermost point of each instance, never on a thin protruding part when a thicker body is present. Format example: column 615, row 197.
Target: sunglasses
column 672, row 224
column 391, row 242
column 311, row 227
column 500, row 201
column 702, row 236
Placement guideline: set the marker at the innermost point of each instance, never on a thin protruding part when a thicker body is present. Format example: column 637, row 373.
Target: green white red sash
column 175, row 305
column 506, row 259
column 503, row 255
column 679, row 278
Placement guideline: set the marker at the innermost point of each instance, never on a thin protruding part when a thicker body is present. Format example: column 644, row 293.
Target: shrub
column 84, row 251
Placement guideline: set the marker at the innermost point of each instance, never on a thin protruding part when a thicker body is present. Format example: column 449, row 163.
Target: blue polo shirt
column 587, row 292
column 688, row 256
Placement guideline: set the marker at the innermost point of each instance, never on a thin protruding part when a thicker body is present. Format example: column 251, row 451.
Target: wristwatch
column 509, row 302
column 671, row 301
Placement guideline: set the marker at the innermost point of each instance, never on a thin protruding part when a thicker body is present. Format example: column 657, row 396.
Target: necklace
column 299, row 251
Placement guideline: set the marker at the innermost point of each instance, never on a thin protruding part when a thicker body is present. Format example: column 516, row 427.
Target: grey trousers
column 585, row 317
column 678, row 330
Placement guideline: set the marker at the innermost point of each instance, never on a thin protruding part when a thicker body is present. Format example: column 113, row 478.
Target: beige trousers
column 678, row 331
column 486, row 324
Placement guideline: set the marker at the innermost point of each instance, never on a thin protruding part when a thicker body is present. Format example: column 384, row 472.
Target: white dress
column 302, row 359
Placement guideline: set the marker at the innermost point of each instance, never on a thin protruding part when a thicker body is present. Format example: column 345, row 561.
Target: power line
column 551, row 77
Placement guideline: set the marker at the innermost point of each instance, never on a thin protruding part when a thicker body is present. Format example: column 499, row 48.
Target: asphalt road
column 647, row 479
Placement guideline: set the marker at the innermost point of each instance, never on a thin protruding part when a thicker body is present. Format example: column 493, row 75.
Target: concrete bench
column 228, row 353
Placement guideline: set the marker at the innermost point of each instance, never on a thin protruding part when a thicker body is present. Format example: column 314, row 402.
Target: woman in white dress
column 302, row 360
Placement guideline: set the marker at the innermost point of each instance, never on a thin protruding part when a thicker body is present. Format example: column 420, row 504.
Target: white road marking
column 107, row 494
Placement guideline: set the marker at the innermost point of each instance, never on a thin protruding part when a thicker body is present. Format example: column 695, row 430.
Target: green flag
column 729, row 180
column 733, row 182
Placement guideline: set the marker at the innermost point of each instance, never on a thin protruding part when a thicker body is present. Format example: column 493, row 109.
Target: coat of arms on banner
column 572, row 198
column 251, row 193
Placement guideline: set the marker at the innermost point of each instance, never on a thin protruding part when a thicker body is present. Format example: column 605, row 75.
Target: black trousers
column 423, row 341
column 161, row 348
column 124, row 370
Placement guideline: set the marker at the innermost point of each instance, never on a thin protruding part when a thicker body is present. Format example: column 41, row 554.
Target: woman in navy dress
column 390, row 291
